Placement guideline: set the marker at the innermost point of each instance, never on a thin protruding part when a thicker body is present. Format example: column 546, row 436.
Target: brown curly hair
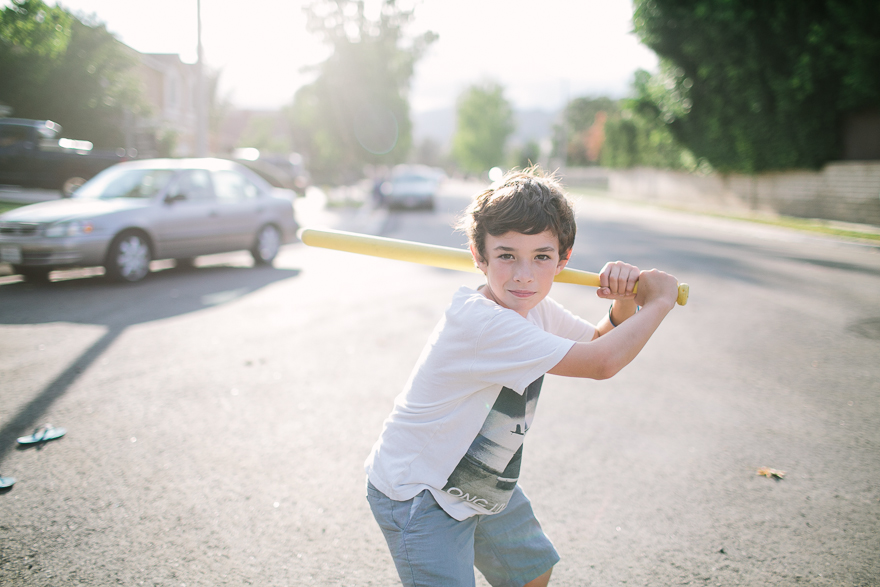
column 526, row 201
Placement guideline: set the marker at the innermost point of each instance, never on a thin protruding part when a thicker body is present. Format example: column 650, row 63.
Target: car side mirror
column 171, row 198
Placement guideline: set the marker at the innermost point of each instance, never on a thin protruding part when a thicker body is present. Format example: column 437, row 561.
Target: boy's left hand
column 617, row 280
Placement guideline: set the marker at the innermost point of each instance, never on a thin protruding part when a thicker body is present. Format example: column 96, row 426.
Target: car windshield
column 126, row 183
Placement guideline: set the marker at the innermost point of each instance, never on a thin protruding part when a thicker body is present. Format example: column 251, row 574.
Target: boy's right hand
column 657, row 287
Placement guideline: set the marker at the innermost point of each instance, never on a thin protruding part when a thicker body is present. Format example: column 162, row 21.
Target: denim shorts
column 431, row 548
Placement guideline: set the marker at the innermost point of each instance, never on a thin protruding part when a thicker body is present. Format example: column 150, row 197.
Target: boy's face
column 520, row 268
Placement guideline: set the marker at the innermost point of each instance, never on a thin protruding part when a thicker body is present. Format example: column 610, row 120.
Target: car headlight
column 70, row 228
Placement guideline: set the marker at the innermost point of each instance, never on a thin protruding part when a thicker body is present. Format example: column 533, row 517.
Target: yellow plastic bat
column 433, row 255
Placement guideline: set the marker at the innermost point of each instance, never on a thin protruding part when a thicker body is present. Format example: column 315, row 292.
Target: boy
column 442, row 478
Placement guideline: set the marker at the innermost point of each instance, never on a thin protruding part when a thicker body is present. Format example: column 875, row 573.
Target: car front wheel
column 266, row 245
column 129, row 257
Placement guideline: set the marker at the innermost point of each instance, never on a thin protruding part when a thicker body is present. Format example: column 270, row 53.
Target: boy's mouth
column 521, row 293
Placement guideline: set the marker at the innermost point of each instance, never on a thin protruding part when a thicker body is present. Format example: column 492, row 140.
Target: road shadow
column 116, row 306
column 843, row 266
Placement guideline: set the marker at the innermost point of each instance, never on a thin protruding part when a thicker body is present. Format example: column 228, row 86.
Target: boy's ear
column 478, row 260
column 562, row 263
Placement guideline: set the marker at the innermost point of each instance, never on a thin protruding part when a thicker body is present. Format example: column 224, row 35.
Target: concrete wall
column 844, row 191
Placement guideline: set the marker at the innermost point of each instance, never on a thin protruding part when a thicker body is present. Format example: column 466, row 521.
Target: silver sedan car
column 137, row 211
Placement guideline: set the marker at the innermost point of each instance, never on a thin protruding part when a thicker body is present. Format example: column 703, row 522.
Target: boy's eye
column 505, row 256
column 543, row 257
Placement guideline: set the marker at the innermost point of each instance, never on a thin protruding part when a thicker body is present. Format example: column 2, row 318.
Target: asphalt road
column 218, row 418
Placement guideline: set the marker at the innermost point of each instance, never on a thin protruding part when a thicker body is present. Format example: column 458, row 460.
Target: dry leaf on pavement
column 771, row 473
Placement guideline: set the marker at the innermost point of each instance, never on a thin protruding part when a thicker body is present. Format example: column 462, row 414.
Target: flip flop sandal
column 42, row 434
column 6, row 482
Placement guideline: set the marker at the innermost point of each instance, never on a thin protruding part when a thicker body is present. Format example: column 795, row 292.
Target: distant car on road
column 138, row 211
column 34, row 154
column 411, row 186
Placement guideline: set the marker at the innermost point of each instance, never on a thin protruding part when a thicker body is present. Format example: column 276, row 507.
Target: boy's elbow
column 589, row 361
column 607, row 374
column 606, row 369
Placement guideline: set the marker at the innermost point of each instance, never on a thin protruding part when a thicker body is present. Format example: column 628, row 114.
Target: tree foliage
column 753, row 85
column 526, row 155
column 585, row 119
column 636, row 136
column 484, row 124
column 56, row 66
column 357, row 110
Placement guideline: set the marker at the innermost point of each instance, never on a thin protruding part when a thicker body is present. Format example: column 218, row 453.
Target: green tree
column 33, row 38
column 584, row 120
column 357, row 110
column 526, row 155
column 753, row 86
column 484, row 124
column 637, row 135
column 633, row 140
column 56, row 66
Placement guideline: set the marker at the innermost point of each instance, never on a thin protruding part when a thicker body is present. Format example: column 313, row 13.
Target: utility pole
column 201, row 105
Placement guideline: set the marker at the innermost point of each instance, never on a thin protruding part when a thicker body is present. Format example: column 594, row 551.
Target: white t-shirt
column 457, row 428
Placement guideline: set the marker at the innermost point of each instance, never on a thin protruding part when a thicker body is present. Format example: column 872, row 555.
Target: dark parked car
column 34, row 154
column 138, row 211
column 284, row 171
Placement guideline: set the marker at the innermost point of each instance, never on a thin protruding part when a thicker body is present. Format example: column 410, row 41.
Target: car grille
column 19, row 229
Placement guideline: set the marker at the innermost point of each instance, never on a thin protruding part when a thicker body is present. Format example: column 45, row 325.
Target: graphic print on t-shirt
column 488, row 472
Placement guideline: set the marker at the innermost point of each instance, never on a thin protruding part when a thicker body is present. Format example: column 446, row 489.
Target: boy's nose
column 523, row 273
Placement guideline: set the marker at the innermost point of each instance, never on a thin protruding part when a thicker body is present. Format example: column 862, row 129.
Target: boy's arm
column 621, row 310
column 614, row 348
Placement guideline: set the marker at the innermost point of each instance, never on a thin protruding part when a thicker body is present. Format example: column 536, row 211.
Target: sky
column 543, row 53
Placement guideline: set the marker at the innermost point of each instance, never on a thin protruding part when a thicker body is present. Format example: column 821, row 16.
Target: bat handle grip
column 684, row 290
